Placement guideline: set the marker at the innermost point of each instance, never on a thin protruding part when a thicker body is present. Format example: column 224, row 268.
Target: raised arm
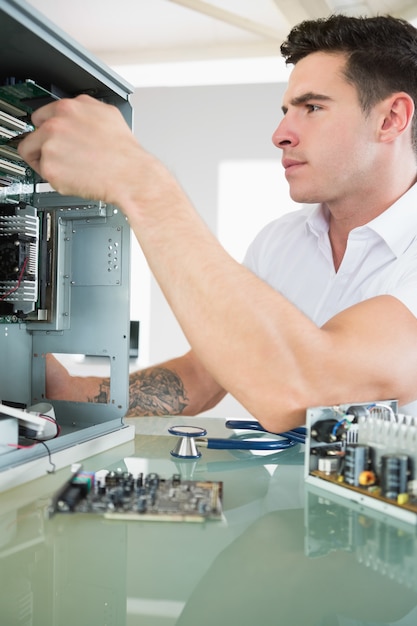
column 254, row 342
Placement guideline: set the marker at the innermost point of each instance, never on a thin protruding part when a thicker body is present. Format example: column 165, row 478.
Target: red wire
column 19, row 280
column 48, row 419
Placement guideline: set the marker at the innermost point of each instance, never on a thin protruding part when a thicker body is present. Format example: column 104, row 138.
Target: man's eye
column 313, row 107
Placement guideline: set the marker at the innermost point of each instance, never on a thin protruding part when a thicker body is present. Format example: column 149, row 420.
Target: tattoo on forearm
column 156, row 391
column 104, row 394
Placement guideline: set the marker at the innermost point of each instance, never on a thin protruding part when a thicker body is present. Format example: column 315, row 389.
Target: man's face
column 328, row 145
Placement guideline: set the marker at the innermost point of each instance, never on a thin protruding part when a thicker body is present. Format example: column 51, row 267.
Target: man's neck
column 343, row 219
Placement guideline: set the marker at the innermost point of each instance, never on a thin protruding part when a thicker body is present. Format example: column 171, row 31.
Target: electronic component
column 19, row 254
column 118, row 495
column 20, row 98
column 64, row 260
column 37, row 422
column 17, row 101
column 366, row 452
column 51, row 247
column 21, row 242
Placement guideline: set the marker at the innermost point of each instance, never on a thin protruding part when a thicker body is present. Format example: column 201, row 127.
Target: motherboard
column 119, row 495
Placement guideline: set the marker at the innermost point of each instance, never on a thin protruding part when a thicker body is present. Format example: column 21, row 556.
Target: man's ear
column 397, row 113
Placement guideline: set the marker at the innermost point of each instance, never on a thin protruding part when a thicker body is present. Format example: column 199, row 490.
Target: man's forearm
column 153, row 391
column 156, row 391
column 178, row 386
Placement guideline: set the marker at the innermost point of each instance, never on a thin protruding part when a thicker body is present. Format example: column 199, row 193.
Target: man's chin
column 303, row 197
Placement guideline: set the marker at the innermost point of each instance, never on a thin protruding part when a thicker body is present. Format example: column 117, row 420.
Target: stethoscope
column 193, row 437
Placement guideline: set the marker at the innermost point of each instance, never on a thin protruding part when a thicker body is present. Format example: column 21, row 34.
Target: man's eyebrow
column 306, row 97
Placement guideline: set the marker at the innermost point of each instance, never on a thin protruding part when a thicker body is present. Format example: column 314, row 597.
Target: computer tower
column 64, row 261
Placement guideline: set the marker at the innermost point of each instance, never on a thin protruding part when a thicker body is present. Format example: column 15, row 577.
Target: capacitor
column 395, row 470
column 128, row 484
column 357, row 460
column 329, row 464
column 141, row 505
column 116, row 496
column 152, row 480
column 112, row 479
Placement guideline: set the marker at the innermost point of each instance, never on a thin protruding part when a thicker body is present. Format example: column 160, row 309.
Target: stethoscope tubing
column 216, row 443
column 196, row 436
column 297, row 435
column 289, row 438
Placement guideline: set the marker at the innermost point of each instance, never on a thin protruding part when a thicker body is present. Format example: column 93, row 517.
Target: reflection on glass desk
column 282, row 554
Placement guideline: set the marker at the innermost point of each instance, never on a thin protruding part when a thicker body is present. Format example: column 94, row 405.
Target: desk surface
column 281, row 555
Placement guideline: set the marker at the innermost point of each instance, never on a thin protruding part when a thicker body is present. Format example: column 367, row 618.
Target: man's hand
column 82, row 147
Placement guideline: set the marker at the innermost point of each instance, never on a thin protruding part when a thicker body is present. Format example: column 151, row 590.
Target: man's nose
column 283, row 136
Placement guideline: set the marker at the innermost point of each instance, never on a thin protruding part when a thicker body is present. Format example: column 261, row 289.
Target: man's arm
column 251, row 340
column 180, row 386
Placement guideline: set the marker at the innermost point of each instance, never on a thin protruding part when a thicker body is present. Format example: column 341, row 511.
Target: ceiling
column 133, row 33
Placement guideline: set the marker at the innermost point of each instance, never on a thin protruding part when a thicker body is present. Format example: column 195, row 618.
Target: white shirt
column 293, row 255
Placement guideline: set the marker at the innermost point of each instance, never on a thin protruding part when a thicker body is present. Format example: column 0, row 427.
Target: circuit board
column 367, row 453
column 17, row 101
column 21, row 225
column 119, row 495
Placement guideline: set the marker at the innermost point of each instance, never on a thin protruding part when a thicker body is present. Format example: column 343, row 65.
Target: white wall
column 201, row 133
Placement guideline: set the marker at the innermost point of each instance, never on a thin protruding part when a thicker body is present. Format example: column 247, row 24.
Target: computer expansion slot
column 12, row 109
column 9, row 121
column 6, row 133
column 17, row 102
column 9, row 153
column 22, row 98
column 7, row 167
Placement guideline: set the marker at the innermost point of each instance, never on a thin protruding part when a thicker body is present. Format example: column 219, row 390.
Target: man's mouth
column 291, row 164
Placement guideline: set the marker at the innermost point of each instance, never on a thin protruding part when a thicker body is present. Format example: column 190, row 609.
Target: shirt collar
column 397, row 225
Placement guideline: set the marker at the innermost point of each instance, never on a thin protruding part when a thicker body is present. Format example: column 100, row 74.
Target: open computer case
column 64, row 261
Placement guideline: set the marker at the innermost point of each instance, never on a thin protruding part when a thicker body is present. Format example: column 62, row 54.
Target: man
column 325, row 310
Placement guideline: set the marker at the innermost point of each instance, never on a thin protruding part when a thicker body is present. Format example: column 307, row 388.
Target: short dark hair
column 381, row 54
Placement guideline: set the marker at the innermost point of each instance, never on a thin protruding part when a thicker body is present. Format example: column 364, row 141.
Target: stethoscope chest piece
column 186, row 447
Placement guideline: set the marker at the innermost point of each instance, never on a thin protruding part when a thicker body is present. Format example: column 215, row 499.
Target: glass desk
column 281, row 554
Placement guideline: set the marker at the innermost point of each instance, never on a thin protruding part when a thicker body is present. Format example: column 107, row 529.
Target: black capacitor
column 116, row 496
column 357, row 459
column 395, row 470
column 128, row 483
column 322, row 430
column 112, row 479
column 74, row 493
column 128, row 488
column 142, row 505
column 152, row 480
